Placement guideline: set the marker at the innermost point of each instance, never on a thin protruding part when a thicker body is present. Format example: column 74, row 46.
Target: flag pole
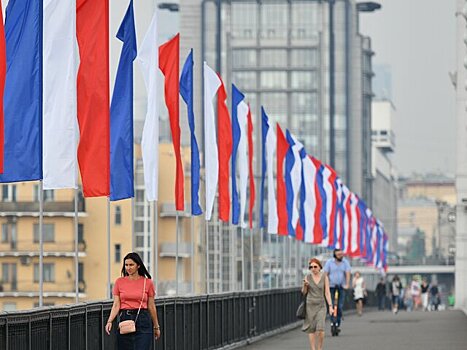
column 155, row 243
column 243, row 258
column 176, row 252
column 41, row 244
column 283, row 261
column 108, row 249
column 192, row 228
column 207, row 257
column 221, row 247
column 270, row 260
column 277, row 258
column 298, row 262
column 133, row 224
column 252, row 268
column 233, row 257
column 261, row 262
column 76, row 248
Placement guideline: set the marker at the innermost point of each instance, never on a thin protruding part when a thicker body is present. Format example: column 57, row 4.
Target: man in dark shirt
column 381, row 294
column 434, row 297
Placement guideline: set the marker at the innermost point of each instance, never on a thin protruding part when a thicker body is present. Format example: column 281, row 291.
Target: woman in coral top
column 128, row 298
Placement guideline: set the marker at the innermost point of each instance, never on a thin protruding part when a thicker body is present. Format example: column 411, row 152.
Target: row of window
column 249, row 58
column 9, row 273
column 276, row 80
column 9, row 193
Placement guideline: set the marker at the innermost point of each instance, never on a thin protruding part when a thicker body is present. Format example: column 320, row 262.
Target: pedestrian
column 359, row 291
column 434, row 297
column 396, row 293
column 381, row 294
column 338, row 271
column 424, row 289
column 316, row 289
column 134, row 300
column 415, row 292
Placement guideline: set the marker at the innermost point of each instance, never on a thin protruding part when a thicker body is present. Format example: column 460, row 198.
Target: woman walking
column 134, row 300
column 359, row 292
column 316, row 289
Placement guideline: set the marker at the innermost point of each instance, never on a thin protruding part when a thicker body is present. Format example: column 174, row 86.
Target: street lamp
column 171, row 6
column 368, row 6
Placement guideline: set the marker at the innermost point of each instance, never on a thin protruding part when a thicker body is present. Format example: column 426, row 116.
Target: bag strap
column 142, row 298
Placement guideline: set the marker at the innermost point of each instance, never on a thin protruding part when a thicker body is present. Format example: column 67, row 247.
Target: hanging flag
column 268, row 150
column 92, row 30
column 2, row 83
column 224, row 141
column 282, row 149
column 293, row 177
column 211, row 85
column 121, row 114
column 243, row 160
column 347, row 219
column 250, row 172
column 148, row 58
column 385, row 252
column 321, row 200
column 237, row 99
column 186, row 90
column 330, row 176
column 308, row 198
column 354, row 225
column 23, row 92
column 60, row 127
column 169, row 58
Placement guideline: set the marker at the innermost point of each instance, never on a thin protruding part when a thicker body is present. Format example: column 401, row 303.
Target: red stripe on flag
column 169, row 60
column 92, row 31
column 317, row 229
column 250, row 161
column 282, row 148
column 2, row 84
column 224, row 132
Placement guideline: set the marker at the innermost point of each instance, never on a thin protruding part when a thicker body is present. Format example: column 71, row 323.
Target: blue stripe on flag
column 237, row 97
column 289, row 163
column 186, row 91
column 121, row 114
column 23, row 92
column 264, row 131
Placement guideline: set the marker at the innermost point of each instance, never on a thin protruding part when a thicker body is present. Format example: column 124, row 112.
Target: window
column 48, row 195
column 80, row 233
column 274, row 80
column 244, row 58
column 118, row 253
column 80, row 272
column 273, row 58
column 245, row 80
column 5, row 233
column 49, row 273
column 304, row 58
column 8, row 193
column 8, row 272
column 9, row 306
column 304, row 80
column 118, row 215
column 48, row 232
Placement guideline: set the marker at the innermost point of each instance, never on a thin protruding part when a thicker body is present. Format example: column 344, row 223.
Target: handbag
column 301, row 310
column 129, row 326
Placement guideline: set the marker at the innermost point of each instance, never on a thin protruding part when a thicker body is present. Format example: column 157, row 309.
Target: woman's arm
column 327, row 293
column 113, row 313
column 155, row 320
column 305, row 286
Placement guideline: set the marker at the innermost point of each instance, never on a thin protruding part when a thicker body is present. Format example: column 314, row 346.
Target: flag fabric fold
column 186, row 91
column 237, row 98
column 293, row 177
column 243, row 110
column 169, row 58
column 60, row 126
column 268, row 150
column 23, row 92
column 282, row 149
column 211, row 86
column 121, row 114
column 308, row 202
column 224, row 141
column 250, row 168
column 148, row 59
column 92, row 31
column 2, row 83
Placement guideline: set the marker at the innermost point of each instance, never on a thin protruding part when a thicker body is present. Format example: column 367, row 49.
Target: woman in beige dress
column 316, row 288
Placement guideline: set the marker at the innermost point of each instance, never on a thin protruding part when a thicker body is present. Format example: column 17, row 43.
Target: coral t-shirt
column 131, row 292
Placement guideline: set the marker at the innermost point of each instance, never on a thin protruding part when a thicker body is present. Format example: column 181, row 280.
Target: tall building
column 384, row 174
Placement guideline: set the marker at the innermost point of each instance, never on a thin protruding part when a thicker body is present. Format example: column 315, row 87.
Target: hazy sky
column 416, row 38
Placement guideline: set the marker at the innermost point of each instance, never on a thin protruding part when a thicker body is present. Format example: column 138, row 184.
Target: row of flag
column 57, row 116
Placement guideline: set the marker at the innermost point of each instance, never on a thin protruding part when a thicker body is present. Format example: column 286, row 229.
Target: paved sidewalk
column 443, row 330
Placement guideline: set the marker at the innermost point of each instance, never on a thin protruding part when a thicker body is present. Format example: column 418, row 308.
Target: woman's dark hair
column 142, row 271
column 335, row 251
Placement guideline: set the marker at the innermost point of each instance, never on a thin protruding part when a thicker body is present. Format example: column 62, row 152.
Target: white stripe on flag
column 354, row 223
column 296, row 175
column 272, row 203
column 60, row 125
column 211, row 85
column 148, row 59
column 242, row 114
column 328, row 191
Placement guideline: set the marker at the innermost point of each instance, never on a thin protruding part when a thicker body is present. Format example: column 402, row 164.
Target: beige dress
column 315, row 306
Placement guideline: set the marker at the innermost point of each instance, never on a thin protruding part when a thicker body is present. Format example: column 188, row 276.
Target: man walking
column 381, row 294
column 338, row 271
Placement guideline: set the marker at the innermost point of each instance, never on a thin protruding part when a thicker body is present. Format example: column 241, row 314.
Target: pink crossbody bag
column 129, row 326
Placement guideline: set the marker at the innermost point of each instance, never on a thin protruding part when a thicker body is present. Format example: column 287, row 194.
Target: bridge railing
column 189, row 322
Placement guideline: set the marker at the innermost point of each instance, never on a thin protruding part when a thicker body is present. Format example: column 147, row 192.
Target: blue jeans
column 340, row 303
column 143, row 338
